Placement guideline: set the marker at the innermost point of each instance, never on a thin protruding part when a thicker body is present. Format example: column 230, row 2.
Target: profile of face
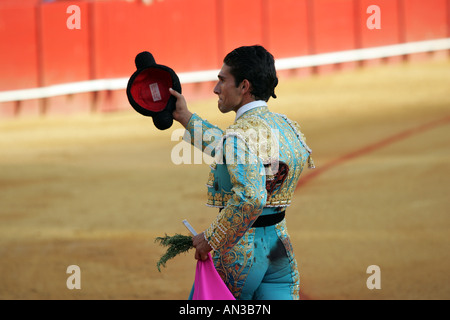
column 231, row 98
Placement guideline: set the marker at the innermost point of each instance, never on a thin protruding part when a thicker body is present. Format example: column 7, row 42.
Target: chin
column 221, row 108
column 224, row 110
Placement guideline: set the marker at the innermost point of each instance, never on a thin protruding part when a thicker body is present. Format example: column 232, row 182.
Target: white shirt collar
column 249, row 106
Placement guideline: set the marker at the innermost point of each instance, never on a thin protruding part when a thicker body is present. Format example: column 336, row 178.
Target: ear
column 245, row 86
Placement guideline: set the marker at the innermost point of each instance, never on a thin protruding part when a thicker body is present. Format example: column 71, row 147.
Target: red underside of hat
column 150, row 89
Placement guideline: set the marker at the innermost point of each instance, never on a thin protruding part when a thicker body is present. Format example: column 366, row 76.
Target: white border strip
column 363, row 54
column 211, row 75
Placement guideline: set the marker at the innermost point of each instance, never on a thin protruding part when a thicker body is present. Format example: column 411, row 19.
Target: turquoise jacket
column 247, row 157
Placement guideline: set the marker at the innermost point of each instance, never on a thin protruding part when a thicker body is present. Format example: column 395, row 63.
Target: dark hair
column 257, row 65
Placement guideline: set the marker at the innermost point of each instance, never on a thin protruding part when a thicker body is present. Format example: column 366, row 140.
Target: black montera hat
column 148, row 90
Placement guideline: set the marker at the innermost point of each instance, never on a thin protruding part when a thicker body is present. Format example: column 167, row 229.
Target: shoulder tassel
column 311, row 164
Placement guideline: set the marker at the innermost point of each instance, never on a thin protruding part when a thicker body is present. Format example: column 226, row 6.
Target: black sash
column 268, row 220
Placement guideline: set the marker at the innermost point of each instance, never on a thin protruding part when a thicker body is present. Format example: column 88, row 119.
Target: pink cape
column 208, row 285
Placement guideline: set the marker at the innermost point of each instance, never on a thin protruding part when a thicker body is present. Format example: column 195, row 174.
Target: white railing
column 211, row 75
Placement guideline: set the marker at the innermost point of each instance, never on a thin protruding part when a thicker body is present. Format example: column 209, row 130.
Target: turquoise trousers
column 273, row 273
column 271, row 276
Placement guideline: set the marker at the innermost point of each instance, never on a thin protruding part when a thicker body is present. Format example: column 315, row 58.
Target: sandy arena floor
column 95, row 191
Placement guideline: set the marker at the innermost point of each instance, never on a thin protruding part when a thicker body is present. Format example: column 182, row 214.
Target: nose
column 217, row 89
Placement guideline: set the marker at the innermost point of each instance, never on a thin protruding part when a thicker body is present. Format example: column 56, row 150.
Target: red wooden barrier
column 241, row 23
column 179, row 33
column 334, row 29
column 19, row 51
column 189, row 35
column 287, row 28
column 18, row 56
column 425, row 19
column 392, row 26
column 64, row 54
column 288, row 31
column 425, row 22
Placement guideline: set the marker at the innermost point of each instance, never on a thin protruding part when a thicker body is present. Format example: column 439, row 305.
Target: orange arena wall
column 39, row 50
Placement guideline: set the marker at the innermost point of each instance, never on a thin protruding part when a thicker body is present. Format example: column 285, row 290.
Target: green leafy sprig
column 176, row 244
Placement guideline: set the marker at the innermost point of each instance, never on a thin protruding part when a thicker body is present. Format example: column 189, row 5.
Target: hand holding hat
column 181, row 113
